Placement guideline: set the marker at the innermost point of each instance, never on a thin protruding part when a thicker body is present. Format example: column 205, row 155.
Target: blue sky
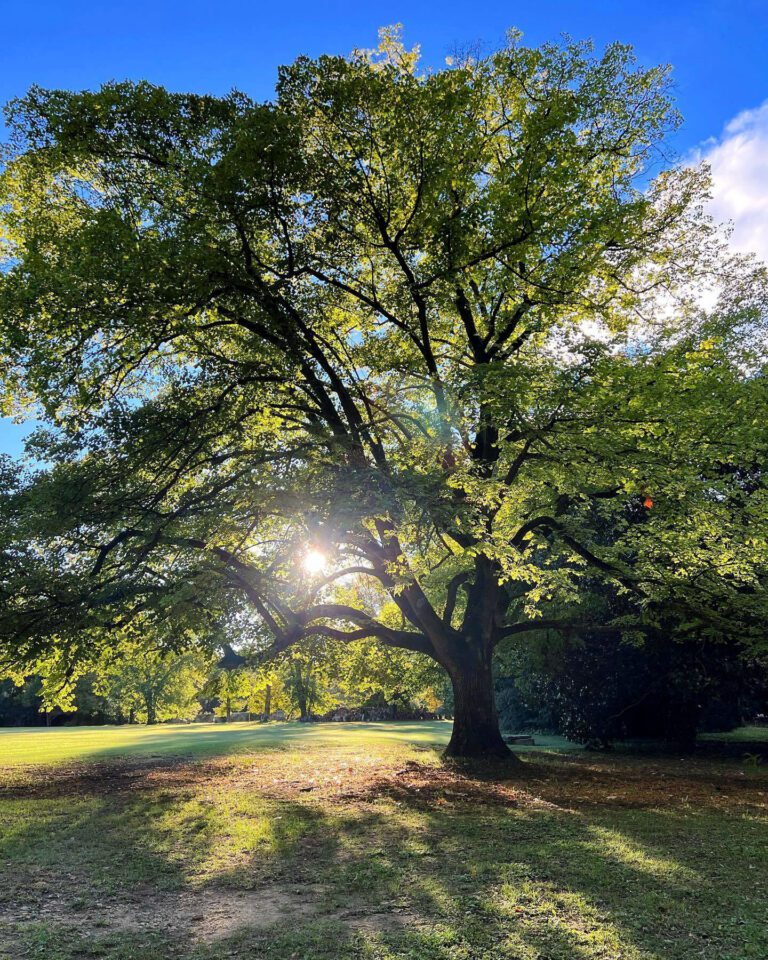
column 719, row 51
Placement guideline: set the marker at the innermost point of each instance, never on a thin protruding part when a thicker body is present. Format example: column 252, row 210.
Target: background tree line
column 144, row 683
column 595, row 689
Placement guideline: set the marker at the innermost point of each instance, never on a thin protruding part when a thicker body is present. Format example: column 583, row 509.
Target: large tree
column 380, row 358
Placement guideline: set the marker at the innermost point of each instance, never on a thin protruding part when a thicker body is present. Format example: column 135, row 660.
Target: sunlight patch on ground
column 611, row 843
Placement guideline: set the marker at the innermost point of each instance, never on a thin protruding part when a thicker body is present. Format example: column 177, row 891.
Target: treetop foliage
column 445, row 327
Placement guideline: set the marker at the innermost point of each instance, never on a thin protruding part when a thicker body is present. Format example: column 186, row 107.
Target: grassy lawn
column 740, row 735
column 40, row 745
column 354, row 842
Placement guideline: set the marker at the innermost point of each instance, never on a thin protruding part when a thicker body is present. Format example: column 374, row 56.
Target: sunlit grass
column 615, row 845
column 740, row 735
column 49, row 745
column 41, row 745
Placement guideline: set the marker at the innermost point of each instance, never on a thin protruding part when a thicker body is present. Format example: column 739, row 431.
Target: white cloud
column 739, row 162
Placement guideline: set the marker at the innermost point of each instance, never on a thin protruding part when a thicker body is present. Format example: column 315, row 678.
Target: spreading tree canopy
column 400, row 354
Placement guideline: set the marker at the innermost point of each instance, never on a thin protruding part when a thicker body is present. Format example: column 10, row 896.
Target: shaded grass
column 370, row 849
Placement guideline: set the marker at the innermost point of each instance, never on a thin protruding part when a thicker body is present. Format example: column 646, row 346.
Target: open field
column 355, row 843
column 39, row 745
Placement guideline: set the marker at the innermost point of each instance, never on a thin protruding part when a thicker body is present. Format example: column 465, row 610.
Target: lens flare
column 313, row 561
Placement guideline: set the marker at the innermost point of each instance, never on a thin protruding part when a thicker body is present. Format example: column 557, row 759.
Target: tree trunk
column 149, row 700
column 300, row 689
column 229, row 709
column 476, row 731
column 268, row 702
column 302, row 700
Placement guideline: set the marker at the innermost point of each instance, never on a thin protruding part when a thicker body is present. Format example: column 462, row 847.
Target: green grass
column 354, row 842
column 740, row 735
column 41, row 745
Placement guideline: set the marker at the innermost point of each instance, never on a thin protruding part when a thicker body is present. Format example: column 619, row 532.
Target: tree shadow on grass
column 680, row 869
column 420, row 862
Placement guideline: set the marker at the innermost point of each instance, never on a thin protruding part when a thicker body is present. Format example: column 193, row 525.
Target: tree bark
column 303, row 709
column 476, row 733
column 301, row 693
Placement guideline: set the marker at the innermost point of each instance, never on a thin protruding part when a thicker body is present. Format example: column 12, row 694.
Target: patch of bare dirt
column 205, row 916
